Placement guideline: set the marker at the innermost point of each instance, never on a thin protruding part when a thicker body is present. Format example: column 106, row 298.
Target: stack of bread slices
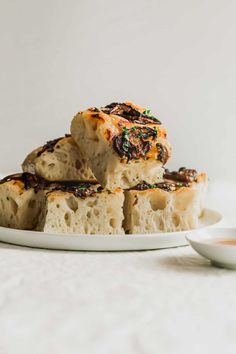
column 107, row 177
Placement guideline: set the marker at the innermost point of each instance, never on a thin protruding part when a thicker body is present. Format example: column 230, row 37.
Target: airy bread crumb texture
column 59, row 211
column 19, row 208
column 63, row 163
column 98, row 214
column 156, row 210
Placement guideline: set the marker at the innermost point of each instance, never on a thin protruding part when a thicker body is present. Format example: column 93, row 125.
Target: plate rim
column 117, row 236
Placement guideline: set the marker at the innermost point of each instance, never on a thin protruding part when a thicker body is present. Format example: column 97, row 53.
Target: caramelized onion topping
column 133, row 143
column 131, row 114
column 79, row 189
column 183, row 175
column 167, row 186
column 28, row 179
column 49, row 146
column 163, row 153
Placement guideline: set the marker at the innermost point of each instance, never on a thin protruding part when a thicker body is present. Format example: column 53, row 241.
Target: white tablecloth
column 166, row 301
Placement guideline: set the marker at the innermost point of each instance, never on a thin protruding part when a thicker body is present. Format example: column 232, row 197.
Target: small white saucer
column 205, row 243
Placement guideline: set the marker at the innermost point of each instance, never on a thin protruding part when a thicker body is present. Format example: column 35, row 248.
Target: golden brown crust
column 142, row 137
column 22, row 181
column 202, row 177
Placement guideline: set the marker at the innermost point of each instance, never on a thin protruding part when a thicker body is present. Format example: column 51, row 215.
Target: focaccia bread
column 57, row 160
column 172, row 205
column 83, row 208
column 20, row 201
column 122, row 143
column 29, row 202
column 191, row 178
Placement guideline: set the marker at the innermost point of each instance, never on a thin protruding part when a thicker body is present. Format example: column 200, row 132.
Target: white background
column 176, row 57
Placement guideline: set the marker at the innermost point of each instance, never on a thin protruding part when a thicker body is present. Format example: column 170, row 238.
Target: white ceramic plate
column 103, row 242
column 220, row 255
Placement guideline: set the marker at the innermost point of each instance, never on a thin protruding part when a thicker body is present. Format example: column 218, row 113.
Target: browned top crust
column 28, row 179
column 172, row 180
column 130, row 113
column 49, row 146
column 79, row 189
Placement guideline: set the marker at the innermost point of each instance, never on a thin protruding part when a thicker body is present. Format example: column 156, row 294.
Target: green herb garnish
column 125, row 138
column 147, row 112
column 82, row 187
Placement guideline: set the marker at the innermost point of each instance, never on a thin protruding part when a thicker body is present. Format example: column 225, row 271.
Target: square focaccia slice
column 123, row 144
column 171, row 205
column 83, row 208
column 190, row 178
column 20, row 201
column 58, row 159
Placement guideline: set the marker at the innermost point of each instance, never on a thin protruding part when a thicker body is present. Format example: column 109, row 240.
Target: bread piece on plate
column 171, row 205
column 194, row 180
column 82, row 208
column 123, row 144
column 29, row 202
column 57, row 160
column 20, row 201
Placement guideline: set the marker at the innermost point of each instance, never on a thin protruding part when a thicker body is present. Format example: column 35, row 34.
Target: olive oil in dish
column 225, row 242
